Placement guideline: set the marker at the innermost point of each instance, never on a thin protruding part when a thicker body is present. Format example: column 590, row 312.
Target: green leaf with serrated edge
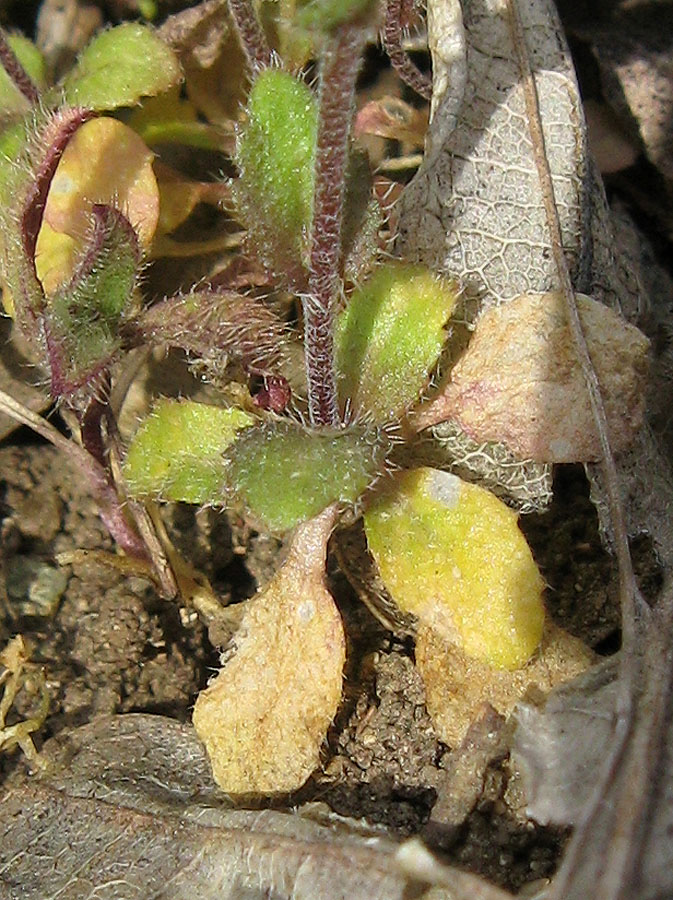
column 12, row 100
column 176, row 454
column 452, row 554
column 84, row 316
column 285, row 474
column 119, row 67
column 275, row 155
column 326, row 15
column 389, row 337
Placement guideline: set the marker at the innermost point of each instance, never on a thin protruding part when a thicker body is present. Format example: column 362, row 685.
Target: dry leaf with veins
column 127, row 809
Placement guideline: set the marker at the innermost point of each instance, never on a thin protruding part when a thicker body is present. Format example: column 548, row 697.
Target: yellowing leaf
column 264, row 718
column 452, row 554
column 176, row 454
column 104, row 162
column 457, row 685
column 520, row 382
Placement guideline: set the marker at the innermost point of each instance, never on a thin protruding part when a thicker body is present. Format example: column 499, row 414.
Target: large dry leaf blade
column 127, row 809
column 476, row 209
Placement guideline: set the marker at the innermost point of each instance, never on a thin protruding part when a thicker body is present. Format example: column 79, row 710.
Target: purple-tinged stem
column 251, row 34
column 392, row 41
column 54, row 138
column 16, row 72
column 340, row 66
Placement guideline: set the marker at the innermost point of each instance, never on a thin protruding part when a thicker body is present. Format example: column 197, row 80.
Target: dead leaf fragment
column 457, row 686
column 126, row 809
column 264, row 717
column 520, row 381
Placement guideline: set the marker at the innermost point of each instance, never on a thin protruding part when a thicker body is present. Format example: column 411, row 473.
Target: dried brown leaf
column 126, row 808
column 264, row 718
column 457, row 686
column 520, row 381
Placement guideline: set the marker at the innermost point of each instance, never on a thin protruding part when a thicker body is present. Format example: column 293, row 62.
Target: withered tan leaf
column 126, row 808
column 457, row 686
column 520, row 381
column 264, row 717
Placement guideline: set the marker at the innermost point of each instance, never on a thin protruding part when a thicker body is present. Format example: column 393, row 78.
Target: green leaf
column 452, row 554
column 285, row 474
column 326, row 15
column 84, row 315
column 12, row 100
column 176, row 454
column 119, row 67
column 389, row 337
column 275, row 154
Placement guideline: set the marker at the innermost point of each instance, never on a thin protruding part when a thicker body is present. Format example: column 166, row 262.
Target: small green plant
column 294, row 452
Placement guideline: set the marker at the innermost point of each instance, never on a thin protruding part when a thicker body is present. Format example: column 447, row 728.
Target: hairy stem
column 392, row 41
column 252, row 37
column 16, row 72
column 340, row 66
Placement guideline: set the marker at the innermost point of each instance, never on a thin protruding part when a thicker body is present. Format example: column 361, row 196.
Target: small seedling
column 303, row 453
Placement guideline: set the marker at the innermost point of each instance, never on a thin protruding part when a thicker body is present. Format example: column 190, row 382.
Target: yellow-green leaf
column 452, row 554
column 389, row 338
column 176, row 454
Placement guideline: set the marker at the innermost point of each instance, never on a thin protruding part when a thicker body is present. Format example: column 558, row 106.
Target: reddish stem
column 392, row 41
column 16, row 72
column 251, row 34
column 340, row 66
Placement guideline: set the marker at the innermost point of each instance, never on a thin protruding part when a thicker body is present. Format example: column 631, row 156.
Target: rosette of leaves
column 448, row 551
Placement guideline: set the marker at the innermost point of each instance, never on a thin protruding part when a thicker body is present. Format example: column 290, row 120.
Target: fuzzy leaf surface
column 285, row 474
column 176, row 454
column 264, row 717
column 12, row 100
column 84, row 316
column 389, row 338
column 119, row 67
column 275, row 153
column 520, row 381
column 452, row 554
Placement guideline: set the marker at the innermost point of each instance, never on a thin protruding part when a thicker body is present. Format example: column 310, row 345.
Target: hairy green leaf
column 389, row 337
column 119, row 67
column 176, row 453
column 275, row 155
column 285, row 474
